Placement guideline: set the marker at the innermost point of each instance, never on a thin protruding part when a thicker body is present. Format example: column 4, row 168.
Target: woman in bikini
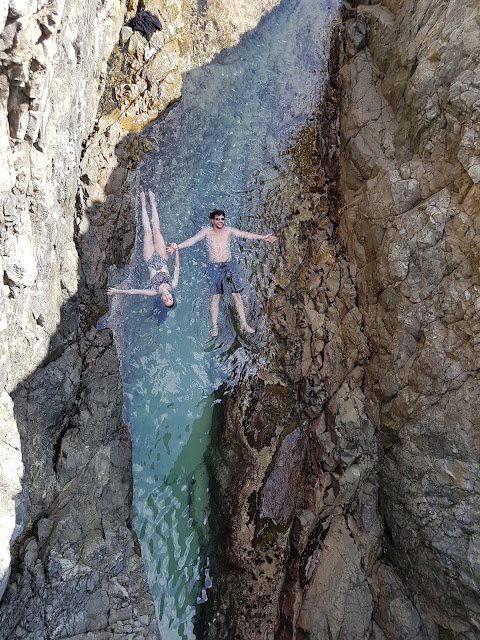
column 155, row 256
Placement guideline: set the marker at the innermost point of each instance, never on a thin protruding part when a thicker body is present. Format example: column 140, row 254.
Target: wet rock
column 277, row 500
column 378, row 333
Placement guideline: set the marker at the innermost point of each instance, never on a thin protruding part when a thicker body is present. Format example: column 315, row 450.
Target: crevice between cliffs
column 318, row 533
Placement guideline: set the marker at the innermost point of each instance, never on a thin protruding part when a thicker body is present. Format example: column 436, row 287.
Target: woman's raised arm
column 176, row 271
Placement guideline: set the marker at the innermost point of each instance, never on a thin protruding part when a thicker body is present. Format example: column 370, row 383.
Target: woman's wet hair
column 160, row 310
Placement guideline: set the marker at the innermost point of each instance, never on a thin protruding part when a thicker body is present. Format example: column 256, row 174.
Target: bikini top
column 161, row 277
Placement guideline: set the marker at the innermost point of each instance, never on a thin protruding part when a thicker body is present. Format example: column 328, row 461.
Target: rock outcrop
column 409, row 175
column 379, row 333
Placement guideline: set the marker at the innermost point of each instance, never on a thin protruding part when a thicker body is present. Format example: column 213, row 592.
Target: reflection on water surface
column 228, row 144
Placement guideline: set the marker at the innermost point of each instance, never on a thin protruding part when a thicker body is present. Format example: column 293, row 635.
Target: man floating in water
column 221, row 268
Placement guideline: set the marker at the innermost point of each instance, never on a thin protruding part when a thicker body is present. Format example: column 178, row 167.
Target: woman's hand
column 173, row 246
column 111, row 291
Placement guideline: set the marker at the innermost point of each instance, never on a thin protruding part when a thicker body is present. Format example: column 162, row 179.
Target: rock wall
column 52, row 60
column 376, row 535
column 409, row 175
column 66, row 217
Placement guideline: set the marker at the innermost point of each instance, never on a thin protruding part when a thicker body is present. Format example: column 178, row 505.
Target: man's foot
column 214, row 331
column 248, row 328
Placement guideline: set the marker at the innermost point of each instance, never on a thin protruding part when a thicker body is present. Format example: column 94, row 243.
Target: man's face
column 218, row 221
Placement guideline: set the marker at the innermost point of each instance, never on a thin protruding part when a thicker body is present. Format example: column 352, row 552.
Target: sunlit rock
column 12, row 515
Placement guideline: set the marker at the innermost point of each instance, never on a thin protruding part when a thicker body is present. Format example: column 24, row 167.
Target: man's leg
column 147, row 232
column 241, row 312
column 214, row 305
column 158, row 240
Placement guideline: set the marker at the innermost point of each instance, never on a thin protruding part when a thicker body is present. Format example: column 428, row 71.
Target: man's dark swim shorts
column 221, row 273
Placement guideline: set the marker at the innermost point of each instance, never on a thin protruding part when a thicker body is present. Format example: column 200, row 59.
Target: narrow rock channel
column 319, row 480
column 242, row 138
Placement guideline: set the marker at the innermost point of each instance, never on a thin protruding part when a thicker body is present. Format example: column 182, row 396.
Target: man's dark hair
column 217, row 212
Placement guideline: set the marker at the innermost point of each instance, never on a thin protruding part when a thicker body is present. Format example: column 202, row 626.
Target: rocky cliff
column 355, row 512
column 410, row 223
column 377, row 533
column 76, row 567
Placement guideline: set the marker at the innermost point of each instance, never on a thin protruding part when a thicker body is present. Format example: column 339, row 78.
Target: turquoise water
column 228, row 144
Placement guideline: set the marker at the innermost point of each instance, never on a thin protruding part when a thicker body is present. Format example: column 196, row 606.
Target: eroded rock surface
column 379, row 333
column 409, row 170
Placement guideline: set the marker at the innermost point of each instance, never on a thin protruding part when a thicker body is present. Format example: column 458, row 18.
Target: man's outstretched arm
column 173, row 246
column 252, row 236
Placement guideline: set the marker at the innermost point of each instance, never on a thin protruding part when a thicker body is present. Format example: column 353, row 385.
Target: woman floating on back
column 155, row 256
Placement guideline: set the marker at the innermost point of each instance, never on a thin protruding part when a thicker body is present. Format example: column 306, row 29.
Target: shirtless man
column 221, row 267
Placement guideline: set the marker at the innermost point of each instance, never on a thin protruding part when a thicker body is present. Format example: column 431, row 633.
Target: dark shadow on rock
column 77, row 565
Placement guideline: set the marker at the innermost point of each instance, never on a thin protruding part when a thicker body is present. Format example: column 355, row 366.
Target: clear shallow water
column 230, row 143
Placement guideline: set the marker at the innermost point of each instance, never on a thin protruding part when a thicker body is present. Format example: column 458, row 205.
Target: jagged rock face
column 42, row 128
column 43, row 119
column 409, row 173
column 379, row 333
column 77, row 569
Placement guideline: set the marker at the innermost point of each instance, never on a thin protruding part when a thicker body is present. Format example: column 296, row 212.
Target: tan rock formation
column 409, row 170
